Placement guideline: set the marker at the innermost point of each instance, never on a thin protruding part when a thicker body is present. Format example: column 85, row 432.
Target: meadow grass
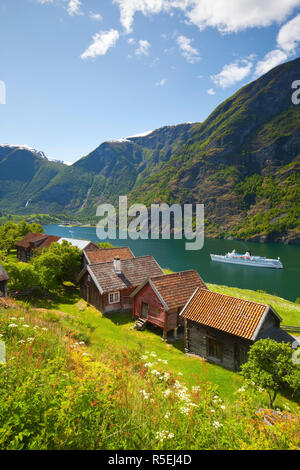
column 113, row 332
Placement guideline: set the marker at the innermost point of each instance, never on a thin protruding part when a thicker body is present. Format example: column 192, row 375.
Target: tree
column 271, row 367
column 57, row 264
column 10, row 233
column 21, row 275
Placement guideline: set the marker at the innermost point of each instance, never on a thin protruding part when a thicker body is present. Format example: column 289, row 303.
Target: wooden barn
column 107, row 255
column 3, row 281
column 221, row 328
column 159, row 300
column 108, row 286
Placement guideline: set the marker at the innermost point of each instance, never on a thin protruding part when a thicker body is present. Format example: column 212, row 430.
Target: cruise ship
column 248, row 260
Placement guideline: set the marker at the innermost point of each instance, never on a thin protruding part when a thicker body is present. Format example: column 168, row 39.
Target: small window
column 214, row 348
column 114, row 297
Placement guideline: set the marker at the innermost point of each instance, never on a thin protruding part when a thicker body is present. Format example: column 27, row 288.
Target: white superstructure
column 248, row 260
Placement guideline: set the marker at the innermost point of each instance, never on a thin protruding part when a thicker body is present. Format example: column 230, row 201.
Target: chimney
column 117, row 265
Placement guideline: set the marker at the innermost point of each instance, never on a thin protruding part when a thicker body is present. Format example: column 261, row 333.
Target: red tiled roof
column 238, row 317
column 177, row 288
column 31, row 238
column 108, row 254
column 134, row 272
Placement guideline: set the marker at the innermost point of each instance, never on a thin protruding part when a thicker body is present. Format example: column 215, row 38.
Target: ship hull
column 275, row 264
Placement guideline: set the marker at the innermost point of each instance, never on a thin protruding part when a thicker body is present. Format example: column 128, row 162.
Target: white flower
column 12, row 325
column 144, row 357
column 26, row 326
column 167, row 392
column 46, row 329
column 212, row 411
column 180, row 373
column 242, row 389
column 223, row 407
column 217, row 425
column 29, row 340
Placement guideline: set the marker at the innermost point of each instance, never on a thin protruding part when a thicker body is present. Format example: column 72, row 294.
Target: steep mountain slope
column 112, row 169
column 242, row 163
column 23, row 174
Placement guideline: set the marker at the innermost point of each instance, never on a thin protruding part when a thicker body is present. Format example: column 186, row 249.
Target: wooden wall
column 234, row 349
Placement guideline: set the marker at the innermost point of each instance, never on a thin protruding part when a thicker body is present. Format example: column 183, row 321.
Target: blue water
column 172, row 254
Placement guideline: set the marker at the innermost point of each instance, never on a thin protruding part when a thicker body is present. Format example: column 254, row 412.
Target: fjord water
column 172, row 254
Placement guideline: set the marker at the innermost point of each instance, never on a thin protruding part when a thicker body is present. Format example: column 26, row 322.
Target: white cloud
column 211, row 91
column 227, row 16
column 131, row 41
column 95, row 16
column 232, row 73
column 161, row 82
column 73, row 7
column 289, row 35
column 190, row 53
column 288, row 39
column 144, row 47
column 101, row 43
column 271, row 60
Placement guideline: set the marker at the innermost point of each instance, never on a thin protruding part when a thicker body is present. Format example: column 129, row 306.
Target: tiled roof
column 108, row 254
column 31, row 238
column 177, row 288
column 134, row 272
column 3, row 275
column 238, row 317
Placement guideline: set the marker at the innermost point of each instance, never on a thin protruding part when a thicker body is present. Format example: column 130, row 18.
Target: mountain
column 24, row 172
column 113, row 168
column 242, row 162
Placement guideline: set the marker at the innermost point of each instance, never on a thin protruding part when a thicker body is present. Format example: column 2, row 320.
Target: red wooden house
column 159, row 300
column 108, row 286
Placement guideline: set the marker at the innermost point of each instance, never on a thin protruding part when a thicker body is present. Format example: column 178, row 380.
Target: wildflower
column 162, row 435
column 167, row 392
column 45, row 329
column 29, row 340
column 242, row 389
column 26, row 326
column 217, row 425
column 223, row 407
column 144, row 357
column 13, row 318
column 167, row 415
column 180, row 373
column 212, row 411
column 149, row 364
column 153, row 354
column 12, row 325
column 22, row 341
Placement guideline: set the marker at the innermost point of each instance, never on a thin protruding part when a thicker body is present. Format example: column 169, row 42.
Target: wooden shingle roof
column 174, row 289
column 108, row 254
column 3, row 275
column 235, row 316
column 31, row 238
column 134, row 272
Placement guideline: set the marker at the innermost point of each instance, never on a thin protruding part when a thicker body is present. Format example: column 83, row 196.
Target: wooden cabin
column 221, row 328
column 38, row 241
column 159, row 300
column 108, row 286
column 107, row 255
column 3, row 282
column 26, row 246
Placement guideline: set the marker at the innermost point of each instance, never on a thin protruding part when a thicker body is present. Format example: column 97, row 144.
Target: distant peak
column 25, row 147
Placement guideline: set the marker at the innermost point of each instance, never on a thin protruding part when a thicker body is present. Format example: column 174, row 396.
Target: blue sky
column 79, row 72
